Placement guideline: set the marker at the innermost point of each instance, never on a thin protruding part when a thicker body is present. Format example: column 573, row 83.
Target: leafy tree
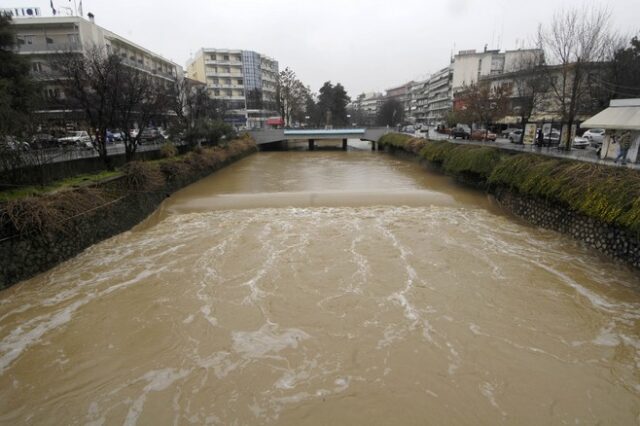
column 391, row 113
column 209, row 132
column 332, row 104
column 625, row 71
column 17, row 89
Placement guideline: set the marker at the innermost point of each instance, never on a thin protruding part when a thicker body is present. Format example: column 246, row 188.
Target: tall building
column 418, row 96
column 401, row 94
column 469, row 66
column 243, row 79
column 43, row 39
column 440, row 96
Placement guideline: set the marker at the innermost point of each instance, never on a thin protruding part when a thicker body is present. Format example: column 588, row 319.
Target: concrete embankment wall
column 595, row 204
column 37, row 238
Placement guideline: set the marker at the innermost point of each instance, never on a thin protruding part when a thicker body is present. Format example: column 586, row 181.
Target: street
column 587, row 154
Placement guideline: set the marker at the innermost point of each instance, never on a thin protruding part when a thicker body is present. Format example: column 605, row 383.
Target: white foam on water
column 488, row 390
column 33, row 330
column 607, row 337
column 267, row 340
column 157, row 380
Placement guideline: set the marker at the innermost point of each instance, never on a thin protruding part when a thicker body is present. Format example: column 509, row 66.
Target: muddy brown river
column 317, row 288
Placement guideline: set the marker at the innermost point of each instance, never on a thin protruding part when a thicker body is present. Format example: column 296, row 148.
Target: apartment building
column 366, row 106
column 418, row 96
column 44, row 39
column 244, row 79
column 469, row 66
column 440, row 96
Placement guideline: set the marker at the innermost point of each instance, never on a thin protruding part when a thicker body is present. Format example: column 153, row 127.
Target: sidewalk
column 586, row 155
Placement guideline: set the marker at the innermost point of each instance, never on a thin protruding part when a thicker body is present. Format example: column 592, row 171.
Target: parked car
column 506, row 132
column 76, row 138
column 460, row 132
column 594, row 136
column 409, row 129
column 43, row 140
column 150, row 134
column 483, row 135
column 552, row 138
column 580, row 142
column 515, row 136
column 13, row 144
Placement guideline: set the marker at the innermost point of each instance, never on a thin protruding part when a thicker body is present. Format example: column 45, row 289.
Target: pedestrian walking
column 540, row 137
column 623, row 147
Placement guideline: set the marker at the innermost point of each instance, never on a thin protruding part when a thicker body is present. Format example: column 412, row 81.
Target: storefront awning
column 622, row 114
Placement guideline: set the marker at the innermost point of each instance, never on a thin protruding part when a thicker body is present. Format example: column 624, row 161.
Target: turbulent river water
column 325, row 288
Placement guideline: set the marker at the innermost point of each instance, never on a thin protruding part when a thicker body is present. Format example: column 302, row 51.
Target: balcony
column 223, row 62
column 49, row 48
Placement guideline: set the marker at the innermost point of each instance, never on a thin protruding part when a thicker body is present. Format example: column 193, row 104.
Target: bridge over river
column 280, row 138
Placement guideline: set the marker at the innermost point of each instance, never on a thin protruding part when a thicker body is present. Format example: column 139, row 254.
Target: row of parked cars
column 76, row 138
column 591, row 137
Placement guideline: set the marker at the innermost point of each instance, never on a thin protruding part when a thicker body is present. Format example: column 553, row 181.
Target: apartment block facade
column 245, row 80
column 44, row 39
column 439, row 96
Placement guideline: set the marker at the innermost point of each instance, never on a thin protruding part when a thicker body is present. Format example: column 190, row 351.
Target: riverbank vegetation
column 608, row 194
column 51, row 208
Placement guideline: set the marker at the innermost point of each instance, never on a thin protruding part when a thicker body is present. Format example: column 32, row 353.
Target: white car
column 515, row 136
column 594, row 136
column 77, row 138
column 580, row 142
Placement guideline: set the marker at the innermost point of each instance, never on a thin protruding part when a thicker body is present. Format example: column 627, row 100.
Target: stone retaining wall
column 25, row 255
column 610, row 240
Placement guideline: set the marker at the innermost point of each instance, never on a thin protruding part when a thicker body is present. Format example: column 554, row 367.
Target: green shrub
column 611, row 195
column 473, row 160
column 608, row 194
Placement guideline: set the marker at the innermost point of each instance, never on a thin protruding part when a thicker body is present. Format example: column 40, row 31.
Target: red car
column 483, row 135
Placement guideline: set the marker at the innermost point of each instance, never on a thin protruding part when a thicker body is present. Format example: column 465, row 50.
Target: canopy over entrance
column 623, row 114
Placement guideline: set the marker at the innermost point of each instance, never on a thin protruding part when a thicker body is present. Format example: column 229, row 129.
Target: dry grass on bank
column 49, row 212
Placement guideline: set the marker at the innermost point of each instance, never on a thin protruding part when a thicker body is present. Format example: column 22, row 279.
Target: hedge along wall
column 37, row 233
column 597, row 204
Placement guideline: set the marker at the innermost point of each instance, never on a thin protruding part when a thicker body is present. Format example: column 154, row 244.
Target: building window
column 216, row 81
column 49, row 40
column 240, row 81
column 226, row 57
column 216, row 92
column 36, row 67
column 228, row 92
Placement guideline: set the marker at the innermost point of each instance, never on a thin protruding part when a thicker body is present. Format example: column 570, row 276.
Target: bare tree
column 483, row 103
column 529, row 86
column 142, row 98
column 577, row 42
column 91, row 84
column 292, row 96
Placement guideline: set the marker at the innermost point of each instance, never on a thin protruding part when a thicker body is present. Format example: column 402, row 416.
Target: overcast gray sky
column 367, row 45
